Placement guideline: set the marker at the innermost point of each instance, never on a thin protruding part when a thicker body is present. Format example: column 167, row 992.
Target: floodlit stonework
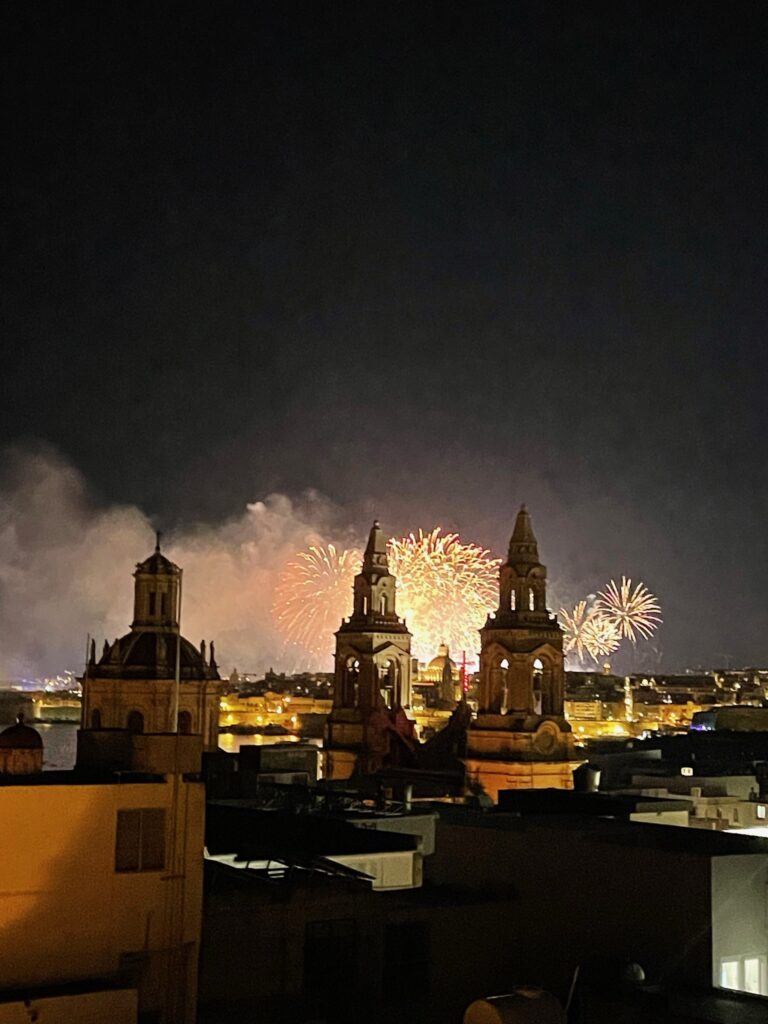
column 368, row 727
column 133, row 684
column 521, row 738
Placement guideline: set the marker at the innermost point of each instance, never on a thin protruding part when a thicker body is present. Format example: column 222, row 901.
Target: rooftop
column 79, row 777
column 589, row 828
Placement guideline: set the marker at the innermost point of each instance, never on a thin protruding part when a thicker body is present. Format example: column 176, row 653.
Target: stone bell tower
column 368, row 727
column 521, row 737
column 153, row 680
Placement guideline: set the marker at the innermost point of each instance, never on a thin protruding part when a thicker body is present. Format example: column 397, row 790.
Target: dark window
column 96, row 719
column 162, row 603
column 406, row 960
column 185, row 722
column 140, row 842
column 330, row 959
column 135, row 722
column 152, row 599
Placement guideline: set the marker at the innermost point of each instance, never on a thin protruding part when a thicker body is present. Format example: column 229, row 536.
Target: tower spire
column 158, row 535
column 375, row 557
column 523, row 547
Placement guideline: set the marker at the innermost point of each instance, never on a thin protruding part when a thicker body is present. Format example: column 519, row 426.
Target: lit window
column 140, row 840
column 531, row 600
column 504, row 664
column 729, row 973
column 761, row 811
column 514, row 600
column 744, row 974
column 753, row 974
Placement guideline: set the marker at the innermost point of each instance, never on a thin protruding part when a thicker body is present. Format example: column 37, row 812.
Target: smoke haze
column 66, row 565
column 67, row 558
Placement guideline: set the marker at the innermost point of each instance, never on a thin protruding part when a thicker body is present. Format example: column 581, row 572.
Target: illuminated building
column 21, row 749
column 444, row 675
column 101, row 877
column 102, row 882
column 152, row 678
column 521, row 738
column 368, row 727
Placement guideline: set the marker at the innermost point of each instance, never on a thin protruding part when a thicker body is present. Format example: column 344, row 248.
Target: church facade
column 133, row 684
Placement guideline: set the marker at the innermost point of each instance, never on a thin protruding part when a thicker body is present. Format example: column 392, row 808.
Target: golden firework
column 587, row 631
column 631, row 612
column 313, row 594
column 445, row 589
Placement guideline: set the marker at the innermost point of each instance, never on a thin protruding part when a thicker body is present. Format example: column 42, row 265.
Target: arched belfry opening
column 135, row 721
column 350, row 681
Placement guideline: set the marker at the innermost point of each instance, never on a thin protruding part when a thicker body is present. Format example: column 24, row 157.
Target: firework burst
column 586, row 631
column 313, row 594
column 600, row 636
column 633, row 613
column 445, row 589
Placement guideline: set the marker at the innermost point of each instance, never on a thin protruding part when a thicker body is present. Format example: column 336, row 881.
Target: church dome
column 437, row 668
column 20, row 736
column 145, row 654
column 438, row 664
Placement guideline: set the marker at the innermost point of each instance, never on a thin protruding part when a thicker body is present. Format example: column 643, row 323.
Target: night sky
column 429, row 259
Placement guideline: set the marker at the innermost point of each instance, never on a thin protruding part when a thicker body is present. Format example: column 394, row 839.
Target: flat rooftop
column 562, row 801
column 591, row 828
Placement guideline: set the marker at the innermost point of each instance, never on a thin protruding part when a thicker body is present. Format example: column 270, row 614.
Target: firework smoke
column 66, row 570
